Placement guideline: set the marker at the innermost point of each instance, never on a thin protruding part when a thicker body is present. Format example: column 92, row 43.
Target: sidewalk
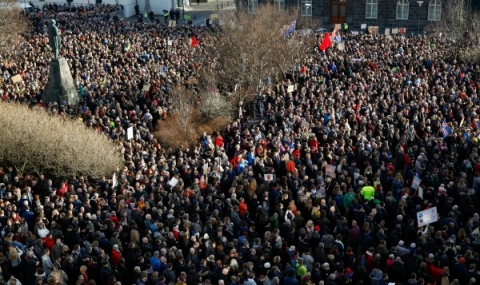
column 199, row 13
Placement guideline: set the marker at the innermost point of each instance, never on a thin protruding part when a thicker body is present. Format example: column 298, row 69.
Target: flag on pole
column 446, row 131
column 194, row 41
column 291, row 28
column 326, row 43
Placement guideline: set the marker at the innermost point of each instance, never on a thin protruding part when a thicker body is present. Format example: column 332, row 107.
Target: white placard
column 387, row 31
column 290, row 88
column 341, row 46
column 114, row 180
column 173, row 182
column 395, row 31
column 338, row 39
column 130, row 133
column 363, row 26
column 427, row 216
column 268, row 177
column 356, row 33
column 420, row 192
column 170, row 43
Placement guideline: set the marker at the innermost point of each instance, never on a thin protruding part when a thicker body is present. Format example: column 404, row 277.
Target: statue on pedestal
column 61, row 87
column 54, row 37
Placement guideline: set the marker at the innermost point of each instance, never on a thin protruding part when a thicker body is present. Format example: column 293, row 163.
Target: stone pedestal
column 60, row 87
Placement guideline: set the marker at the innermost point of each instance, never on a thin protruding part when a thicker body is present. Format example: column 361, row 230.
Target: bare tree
column 458, row 21
column 183, row 102
column 249, row 48
column 460, row 26
column 13, row 24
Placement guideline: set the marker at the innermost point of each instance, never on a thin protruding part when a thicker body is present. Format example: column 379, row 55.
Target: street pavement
column 198, row 13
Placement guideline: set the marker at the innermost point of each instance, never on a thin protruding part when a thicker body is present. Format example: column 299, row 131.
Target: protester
column 318, row 192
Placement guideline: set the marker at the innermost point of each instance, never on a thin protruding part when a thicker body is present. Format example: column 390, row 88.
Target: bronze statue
column 54, row 38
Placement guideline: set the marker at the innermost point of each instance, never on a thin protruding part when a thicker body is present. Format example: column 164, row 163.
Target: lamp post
column 419, row 7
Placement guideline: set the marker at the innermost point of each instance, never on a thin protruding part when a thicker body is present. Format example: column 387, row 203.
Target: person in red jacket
column 62, row 190
column 219, row 141
column 49, row 242
column 389, row 262
column 242, row 207
column 434, row 270
column 116, row 254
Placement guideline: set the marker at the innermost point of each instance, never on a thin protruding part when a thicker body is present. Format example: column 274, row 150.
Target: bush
column 33, row 141
column 213, row 106
column 170, row 133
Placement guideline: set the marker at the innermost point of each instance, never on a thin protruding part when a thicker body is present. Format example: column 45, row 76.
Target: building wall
column 356, row 10
column 387, row 12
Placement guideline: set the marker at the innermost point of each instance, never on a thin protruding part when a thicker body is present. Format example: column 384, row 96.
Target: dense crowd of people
column 252, row 204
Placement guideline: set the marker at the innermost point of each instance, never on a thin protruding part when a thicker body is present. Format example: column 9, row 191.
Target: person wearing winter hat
column 413, row 248
column 401, row 250
column 389, row 262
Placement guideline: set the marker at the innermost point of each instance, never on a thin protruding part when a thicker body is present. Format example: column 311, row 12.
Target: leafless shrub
column 213, row 105
column 36, row 142
column 13, row 24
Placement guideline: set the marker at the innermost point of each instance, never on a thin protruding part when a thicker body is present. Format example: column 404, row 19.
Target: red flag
column 194, row 41
column 326, row 43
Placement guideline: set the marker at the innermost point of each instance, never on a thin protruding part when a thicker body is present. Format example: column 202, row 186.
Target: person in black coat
column 397, row 272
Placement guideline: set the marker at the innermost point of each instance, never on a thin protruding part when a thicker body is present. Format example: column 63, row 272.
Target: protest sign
column 130, row 133
column 330, row 170
column 173, row 182
column 416, row 182
column 341, row 46
column 373, row 30
column 17, row 78
column 427, row 216
column 268, row 177
column 387, row 31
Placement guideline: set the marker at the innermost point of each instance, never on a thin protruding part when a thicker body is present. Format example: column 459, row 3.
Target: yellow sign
column 213, row 16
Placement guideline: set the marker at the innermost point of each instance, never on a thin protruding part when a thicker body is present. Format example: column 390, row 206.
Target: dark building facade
column 410, row 14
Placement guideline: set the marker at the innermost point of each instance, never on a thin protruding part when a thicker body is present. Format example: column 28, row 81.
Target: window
column 402, row 10
column 372, row 9
column 307, row 8
column 435, row 10
column 252, row 6
column 280, row 4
